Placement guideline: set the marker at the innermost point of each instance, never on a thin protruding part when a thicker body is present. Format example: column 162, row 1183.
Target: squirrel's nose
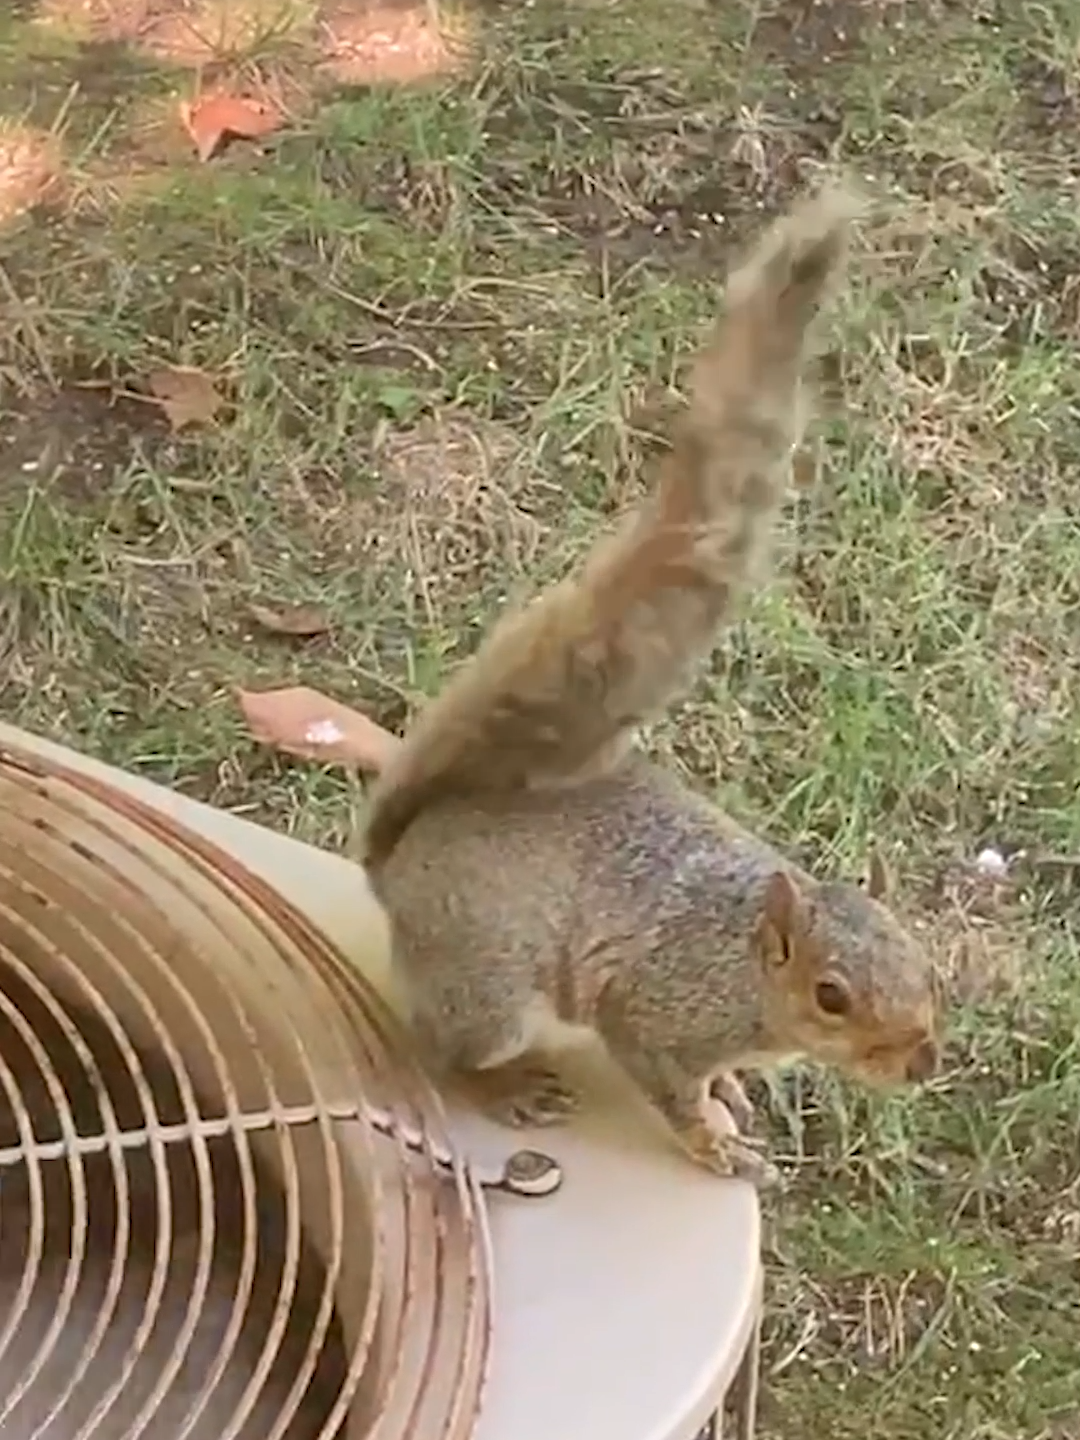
column 923, row 1061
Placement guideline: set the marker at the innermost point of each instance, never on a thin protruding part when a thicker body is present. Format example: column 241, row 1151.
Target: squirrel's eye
column 832, row 997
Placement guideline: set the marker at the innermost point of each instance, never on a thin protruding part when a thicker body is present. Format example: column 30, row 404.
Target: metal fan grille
column 185, row 1069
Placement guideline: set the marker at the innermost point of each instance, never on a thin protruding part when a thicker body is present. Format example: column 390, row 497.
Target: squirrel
column 541, row 877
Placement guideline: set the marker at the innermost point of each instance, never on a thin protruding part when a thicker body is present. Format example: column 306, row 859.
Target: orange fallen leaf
column 303, row 621
column 302, row 722
column 211, row 119
column 186, row 394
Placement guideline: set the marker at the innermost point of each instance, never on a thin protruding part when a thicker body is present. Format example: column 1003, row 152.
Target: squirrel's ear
column 781, row 913
column 878, row 879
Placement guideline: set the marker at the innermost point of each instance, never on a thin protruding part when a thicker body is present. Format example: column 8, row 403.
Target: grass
column 437, row 311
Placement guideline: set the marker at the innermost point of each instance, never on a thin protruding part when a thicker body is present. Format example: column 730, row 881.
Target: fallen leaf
column 302, row 722
column 29, row 165
column 211, row 119
column 187, row 395
column 303, row 621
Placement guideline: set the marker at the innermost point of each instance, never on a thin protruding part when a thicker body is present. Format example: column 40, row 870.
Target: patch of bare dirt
column 680, row 185
column 73, row 439
column 811, row 33
column 184, row 32
column 676, row 198
column 90, row 20
column 807, row 35
column 350, row 41
column 201, row 32
column 400, row 41
column 1029, row 271
column 1051, row 102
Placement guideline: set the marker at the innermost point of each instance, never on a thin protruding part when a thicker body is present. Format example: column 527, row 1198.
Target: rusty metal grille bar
column 182, row 1133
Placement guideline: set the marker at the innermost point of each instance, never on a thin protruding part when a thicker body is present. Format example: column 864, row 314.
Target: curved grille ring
column 201, row 1232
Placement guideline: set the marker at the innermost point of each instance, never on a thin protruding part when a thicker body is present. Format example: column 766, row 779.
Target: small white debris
column 323, row 732
column 992, row 863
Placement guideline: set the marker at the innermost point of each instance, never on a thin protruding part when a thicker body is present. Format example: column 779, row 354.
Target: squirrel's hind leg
column 480, row 1020
column 495, row 1061
column 520, row 1092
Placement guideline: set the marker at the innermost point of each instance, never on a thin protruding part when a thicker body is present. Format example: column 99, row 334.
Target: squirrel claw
column 745, row 1163
column 761, row 1173
column 728, row 1156
column 524, row 1095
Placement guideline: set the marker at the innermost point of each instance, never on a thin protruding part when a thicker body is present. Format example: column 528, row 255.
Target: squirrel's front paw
column 523, row 1093
column 729, row 1155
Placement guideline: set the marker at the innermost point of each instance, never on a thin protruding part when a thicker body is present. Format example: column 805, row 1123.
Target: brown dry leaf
column 303, row 621
column 29, row 163
column 211, row 119
column 303, row 722
column 186, row 394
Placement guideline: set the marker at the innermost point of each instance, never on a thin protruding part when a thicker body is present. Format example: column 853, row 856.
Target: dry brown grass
column 446, row 510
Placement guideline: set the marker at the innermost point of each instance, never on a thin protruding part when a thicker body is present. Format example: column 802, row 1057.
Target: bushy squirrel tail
column 556, row 691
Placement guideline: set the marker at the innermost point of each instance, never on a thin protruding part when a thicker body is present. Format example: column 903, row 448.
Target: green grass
column 521, row 259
